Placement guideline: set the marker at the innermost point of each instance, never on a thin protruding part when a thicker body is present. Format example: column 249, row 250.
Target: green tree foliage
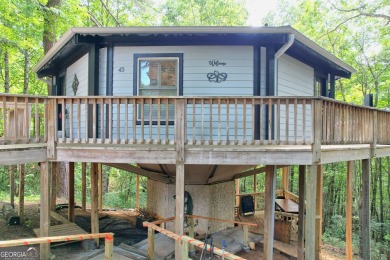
column 355, row 31
column 204, row 12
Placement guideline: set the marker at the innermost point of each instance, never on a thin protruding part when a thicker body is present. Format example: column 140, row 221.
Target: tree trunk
column 6, row 72
column 26, row 71
column 105, row 176
column 49, row 25
column 62, row 180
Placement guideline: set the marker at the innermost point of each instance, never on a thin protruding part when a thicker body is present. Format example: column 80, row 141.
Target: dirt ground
column 76, row 252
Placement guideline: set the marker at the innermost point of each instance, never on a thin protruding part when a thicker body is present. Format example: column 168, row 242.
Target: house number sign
column 216, row 76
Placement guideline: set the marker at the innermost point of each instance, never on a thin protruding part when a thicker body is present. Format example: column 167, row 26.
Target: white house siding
column 295, row 79
column 79, row 68
column 196, row 66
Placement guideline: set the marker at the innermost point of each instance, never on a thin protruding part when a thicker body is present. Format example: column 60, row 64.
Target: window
column 157, row 75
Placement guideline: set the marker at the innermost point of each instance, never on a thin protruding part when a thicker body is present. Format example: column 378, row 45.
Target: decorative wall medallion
column 217, row 76
column 75, row 84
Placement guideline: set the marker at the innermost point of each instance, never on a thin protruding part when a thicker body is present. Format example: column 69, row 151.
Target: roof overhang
column 75, row 42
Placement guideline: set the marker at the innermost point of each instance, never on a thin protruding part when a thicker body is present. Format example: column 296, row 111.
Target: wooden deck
column 62, row 230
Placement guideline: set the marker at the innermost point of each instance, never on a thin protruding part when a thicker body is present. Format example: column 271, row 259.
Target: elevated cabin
column 196, row 108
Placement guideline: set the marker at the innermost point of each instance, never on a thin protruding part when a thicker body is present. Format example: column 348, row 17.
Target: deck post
column 137, row 193
column 54, row 173
column 365, row 214
column 180, row 138
column 310, row 220
column 348, row 210
column 151, row 243
column 285, row 173
column 100, row 186
column 94, row 201
column 22, row 173
column 237, row 192
column 301, row 213
column 51, row 128
column 319, row 211
column 12, row 185
column 71, row 192
column 83, row 186
column 269, row 210
column 44, row 222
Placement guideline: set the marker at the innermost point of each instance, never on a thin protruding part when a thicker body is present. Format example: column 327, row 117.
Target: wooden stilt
column 319, row 211
column 83, row 186
column 310, row 223
column 237, row 192
column 348, row 210
column 12, row 185
column 22, row 171
column 179, row 221
column 301, row 213
column 100, row 186
column 71, row 192
column 285, row 173
column 54, row 168
column 94, row 201
column 137, row 193
column 255, row 189
column 269, row 210
column 365, row 214
column 45, row 210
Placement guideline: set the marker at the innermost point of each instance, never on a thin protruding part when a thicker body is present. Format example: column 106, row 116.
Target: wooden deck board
column 63, row 230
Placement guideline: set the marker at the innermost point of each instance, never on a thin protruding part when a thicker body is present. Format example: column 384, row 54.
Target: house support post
column 310, row 220
column 180, row 138
column 44, row 210
column 12, row 185
column 319, row 211
column 137, row 193
column 54, row 169
column 255, row 189
column 22, row 173
column 71, row 192
column 83, row 186
column 285, row 172
column 269, row 211
column 365, row 214
column 100, row 186
column 301, row 213
column 348, row 210
column 94, row 201
column 237, row 192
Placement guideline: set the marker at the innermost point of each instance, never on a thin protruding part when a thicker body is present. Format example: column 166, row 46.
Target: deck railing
column 207, row 120
column 22, row 119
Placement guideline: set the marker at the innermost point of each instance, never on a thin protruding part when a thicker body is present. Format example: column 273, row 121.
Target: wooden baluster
column 253, row 121
column 86, row 130
column 45, row 119
column 193, row 120
column 142, row 118
column 244, row 123
column 79, row 120
column 150, row 119
column 110, row 104
column 26, row 120
column 219, row 121
column 287, row 120
column 202, row 120
column 235, row 121
column 5, row 120
column 15, row 120
column 262, row 120
column 71, row 120
column 227, row 121
column 278, row 121
column 211, row 120
column 94, row 120
column 270, row 119
column 158, row 120
column 167, row 121
column 134, row 125
column 118, row 120
column 126, row 101
column 304, row 121
column 63, row 113
column 295, row 120
column 102, row 137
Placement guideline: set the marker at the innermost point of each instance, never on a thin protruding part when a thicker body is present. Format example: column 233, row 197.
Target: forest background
column 357, row 31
